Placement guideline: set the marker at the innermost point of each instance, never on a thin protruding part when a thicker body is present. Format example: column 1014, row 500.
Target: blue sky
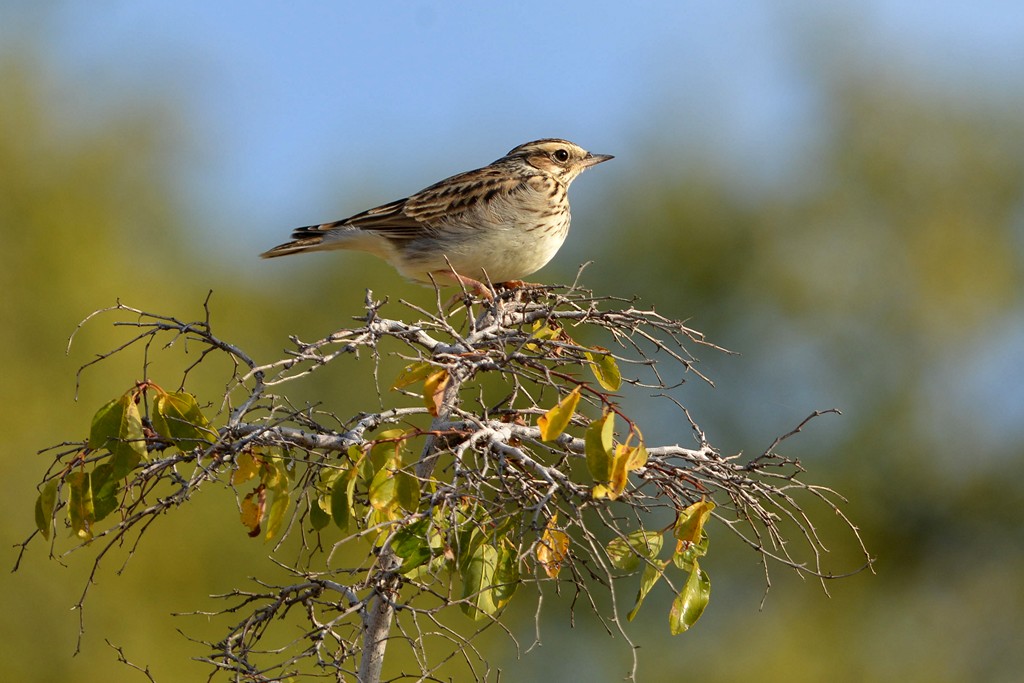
column 302, row 110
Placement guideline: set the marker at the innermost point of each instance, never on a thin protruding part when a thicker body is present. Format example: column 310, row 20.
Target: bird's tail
column 303, row 239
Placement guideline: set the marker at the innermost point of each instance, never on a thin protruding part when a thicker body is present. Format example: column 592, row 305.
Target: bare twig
column 465, row 496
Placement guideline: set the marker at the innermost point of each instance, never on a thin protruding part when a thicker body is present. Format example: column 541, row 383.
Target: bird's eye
column 561, row 155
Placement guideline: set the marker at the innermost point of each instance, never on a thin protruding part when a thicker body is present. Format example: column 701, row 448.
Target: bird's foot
column 468, row 284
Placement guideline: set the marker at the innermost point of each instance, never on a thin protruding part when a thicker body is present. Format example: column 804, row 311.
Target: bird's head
column 559, row 158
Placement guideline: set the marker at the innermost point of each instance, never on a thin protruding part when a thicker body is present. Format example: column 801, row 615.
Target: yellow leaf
column 544, row 331
column 80, row 505
column 637, row 457
column 691, row 522
column 247, row 467
column 433, row 390
column 274, row 472
column 253, row 506
column 598, row 447
column 554, row 422
column 412, row 373
column 624, row 460
column 553, row 548
column 278, row 508
column 620, row 470
column 541, row 331
column 604, row 367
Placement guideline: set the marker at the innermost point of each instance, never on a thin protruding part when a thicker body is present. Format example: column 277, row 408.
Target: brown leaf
column 433, row 390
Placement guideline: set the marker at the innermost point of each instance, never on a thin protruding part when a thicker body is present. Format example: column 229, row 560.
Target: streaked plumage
column 501, row 222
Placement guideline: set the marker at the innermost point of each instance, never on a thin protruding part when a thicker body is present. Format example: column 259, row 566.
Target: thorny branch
column 481, row 466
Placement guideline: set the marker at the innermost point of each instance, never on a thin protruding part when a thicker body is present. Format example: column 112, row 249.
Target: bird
column 497, row 224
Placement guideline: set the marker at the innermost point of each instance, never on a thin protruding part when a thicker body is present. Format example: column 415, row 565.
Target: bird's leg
column 473, row 286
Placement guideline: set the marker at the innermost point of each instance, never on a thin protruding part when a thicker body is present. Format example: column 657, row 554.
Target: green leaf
column 407, row 490
column 104, row 491
column 130, row 449
column 652, row 573
column 506, row 575
column 471, row 533
column 391, row 486
column 437, row 532
column 604, row 367
column 388, row 447
column 319, row 512
column 383, row 490
column 80, row 510
column 278, row 509
column 356, row 454
column 598, row 440
column 687, row 553
column 176, row 416
column 341, row 499
column 379, row 522
column 45, row 504
column 554, row 422
column 106, row 424
column 625, row 553
column 410, row 543
column 350, row 487
column 477, row 573
column 503, row 527
column 691, row 601
column 117, row 427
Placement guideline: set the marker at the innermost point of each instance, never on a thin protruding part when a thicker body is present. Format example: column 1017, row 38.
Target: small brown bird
column 500, row 223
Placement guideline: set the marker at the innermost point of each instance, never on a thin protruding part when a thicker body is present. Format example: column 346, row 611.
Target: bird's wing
column 388, row 219
column 461, row 193
column 419, row 215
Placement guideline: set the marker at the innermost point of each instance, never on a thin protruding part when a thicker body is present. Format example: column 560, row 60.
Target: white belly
column 499, row 242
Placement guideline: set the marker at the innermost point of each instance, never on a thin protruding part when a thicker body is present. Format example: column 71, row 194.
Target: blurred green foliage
column 862, row 283
column 873, row 280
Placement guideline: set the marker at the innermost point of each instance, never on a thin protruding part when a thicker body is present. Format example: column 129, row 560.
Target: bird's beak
column 595, row 159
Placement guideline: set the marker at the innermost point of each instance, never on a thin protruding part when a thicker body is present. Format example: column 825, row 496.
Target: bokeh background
column 834, row 190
